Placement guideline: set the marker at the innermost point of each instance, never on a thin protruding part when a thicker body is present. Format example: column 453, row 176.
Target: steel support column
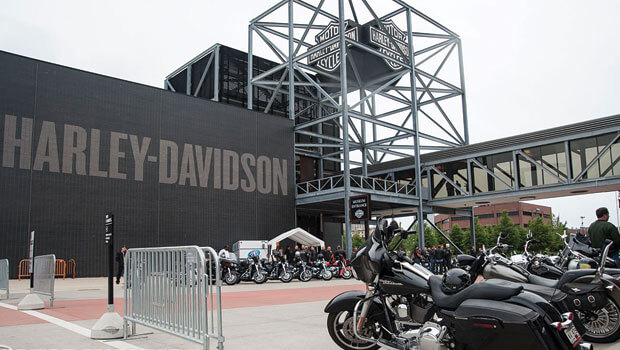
column 291, row 62
column 472, row 229
column 463, row 99
column 364, row 148
column 250, row 63
column 344, row 106
column 416, row 128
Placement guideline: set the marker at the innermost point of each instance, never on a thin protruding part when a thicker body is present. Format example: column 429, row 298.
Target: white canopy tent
column 300, row 236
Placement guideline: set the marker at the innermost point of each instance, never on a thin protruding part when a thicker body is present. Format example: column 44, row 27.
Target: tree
column 410, row 243
column 516, row 235
column 358, row 241
column 544, row 233
column 458, row 236
column 431, row 238
column 482, row 234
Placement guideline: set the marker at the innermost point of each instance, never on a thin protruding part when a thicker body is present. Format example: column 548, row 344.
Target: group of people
column 304, row 253
column 438, row 257
column 310, row 255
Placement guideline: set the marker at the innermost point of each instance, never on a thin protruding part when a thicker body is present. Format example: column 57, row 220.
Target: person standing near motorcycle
column 440, row 256
column 447, row 262
column 417, row 255
column 601, row 229
column 288, row 253
column 472, row 251
column 328, row 254
column 224, row 253
column 312, row 255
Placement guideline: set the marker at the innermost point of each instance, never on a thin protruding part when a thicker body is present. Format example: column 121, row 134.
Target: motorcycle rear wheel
column 340, row 327
column 605, row 328
column 231, row 278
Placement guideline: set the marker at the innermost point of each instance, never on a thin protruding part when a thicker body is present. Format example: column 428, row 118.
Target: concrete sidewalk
column 273, row 315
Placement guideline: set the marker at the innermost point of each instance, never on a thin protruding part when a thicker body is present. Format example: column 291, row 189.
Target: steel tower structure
column 402, row 92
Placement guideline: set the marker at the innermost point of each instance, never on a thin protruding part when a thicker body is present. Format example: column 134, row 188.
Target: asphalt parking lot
column 274, row 315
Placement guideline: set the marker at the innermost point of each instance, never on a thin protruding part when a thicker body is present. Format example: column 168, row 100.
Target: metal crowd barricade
column 71, row 268
column 61, row 268
column 24, row 269
column 4, row 276
column 175, row 290
column 44, row 275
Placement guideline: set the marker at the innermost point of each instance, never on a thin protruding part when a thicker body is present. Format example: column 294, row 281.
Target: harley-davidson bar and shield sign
column 390, row 41
column 328, row 58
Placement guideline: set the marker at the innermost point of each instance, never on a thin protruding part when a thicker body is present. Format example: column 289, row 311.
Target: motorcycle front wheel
column 305, row 276
column 259, row 277
column 602, row 325
column 286, row 277
column 231, row 278
column 327, row 275
column 340, row 327
column 346, row 274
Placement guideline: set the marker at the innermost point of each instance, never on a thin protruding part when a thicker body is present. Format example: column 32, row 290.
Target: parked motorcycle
column 279, row 269
column 301, row 270
column 252, row 270
column 591, row 294
column 342, row 269
column 321, row 270
column 230, row 273
column 406, row 307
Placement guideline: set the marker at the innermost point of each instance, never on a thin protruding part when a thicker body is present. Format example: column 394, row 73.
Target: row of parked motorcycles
column 261, row 270
column 489, row 302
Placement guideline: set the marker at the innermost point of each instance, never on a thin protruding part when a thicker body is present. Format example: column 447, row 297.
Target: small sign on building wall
column 359, row 207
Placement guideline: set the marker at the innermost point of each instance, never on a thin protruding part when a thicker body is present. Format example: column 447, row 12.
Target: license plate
column 572, row 335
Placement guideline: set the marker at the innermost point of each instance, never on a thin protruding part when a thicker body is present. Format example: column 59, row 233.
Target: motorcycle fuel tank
column 403, row 282
column 502, row 272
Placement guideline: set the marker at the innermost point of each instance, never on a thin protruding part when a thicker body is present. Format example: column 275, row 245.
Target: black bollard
column 109, row 241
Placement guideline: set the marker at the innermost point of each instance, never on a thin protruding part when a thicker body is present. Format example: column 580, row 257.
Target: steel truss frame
column 214, row 60
column 520, row 157
column 391, row 104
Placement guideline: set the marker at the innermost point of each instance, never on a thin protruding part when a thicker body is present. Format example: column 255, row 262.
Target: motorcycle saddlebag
column 488, row 324
column 583, row 296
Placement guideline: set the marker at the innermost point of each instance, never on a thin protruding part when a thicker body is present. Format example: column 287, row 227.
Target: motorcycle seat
column 612, row 271
column 493, row 289
column 568, row 276
column 541, row 281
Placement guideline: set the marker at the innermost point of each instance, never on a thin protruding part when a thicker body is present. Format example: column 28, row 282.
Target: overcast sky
column 529, row 64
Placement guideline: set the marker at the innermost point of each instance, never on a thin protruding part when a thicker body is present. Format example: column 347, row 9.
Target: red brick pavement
column 75, row 310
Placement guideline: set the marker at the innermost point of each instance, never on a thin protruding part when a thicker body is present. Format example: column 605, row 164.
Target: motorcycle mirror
column 503, row 235
column 404, row 234
column 381, row 224
column 393, row 224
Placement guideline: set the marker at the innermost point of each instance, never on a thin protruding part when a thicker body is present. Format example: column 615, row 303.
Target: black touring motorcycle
column 591, row 294
column 406, row 307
